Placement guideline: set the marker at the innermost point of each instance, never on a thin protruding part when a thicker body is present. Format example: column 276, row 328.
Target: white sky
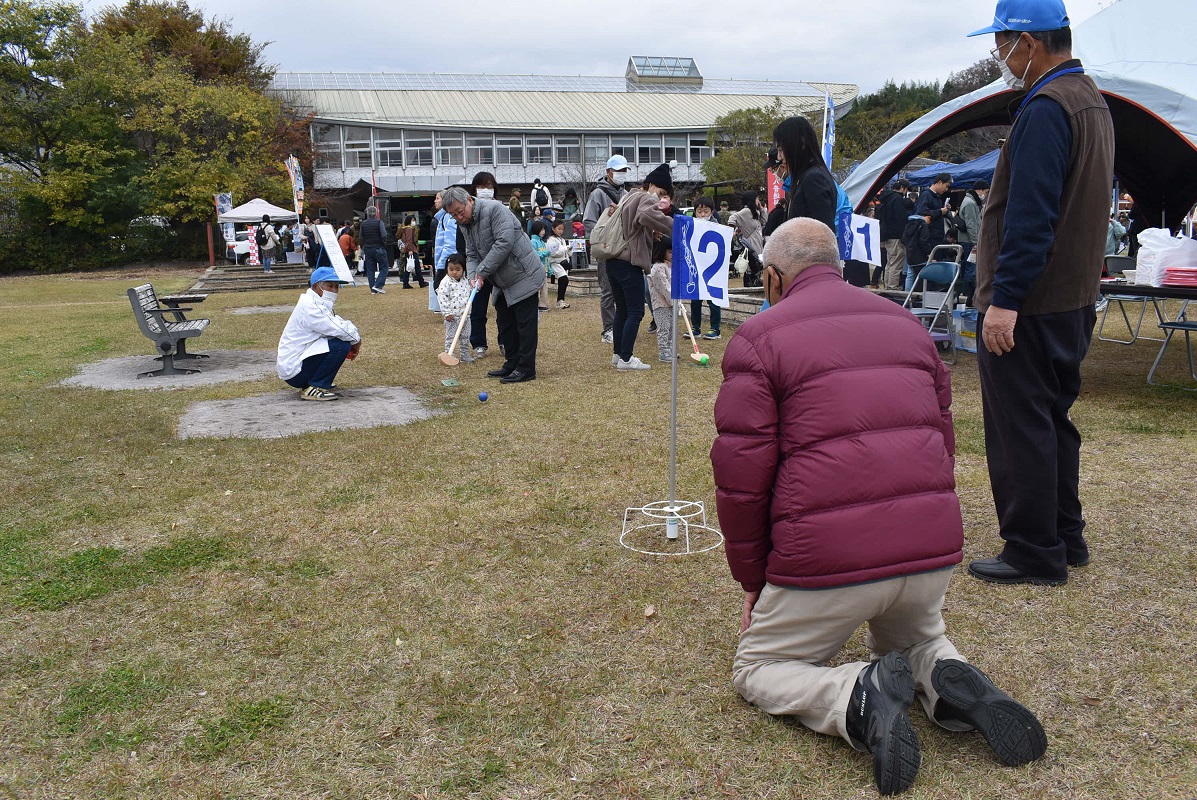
column 865, row 42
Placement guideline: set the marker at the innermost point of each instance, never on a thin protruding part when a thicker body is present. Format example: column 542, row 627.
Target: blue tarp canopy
column 963, row 175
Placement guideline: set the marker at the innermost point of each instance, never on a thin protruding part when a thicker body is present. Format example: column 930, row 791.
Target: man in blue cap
column 1039, row 260
column 316, row 342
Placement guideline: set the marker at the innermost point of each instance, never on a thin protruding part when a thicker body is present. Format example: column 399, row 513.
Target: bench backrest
column 144, row 298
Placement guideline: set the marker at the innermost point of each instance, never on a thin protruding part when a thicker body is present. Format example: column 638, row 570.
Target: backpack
column 916, row 238
column 607, row 238
column 960, row 224
column 541, row 197
column 260, row 237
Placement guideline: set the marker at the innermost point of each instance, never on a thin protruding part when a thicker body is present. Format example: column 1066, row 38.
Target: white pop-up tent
column 1143, row 57
column 251, row 213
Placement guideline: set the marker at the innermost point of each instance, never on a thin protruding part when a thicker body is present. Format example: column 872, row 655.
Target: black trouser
column 627, row 286
column 418, row 274
column 478, row 316
column 518, row 331
column 562, row 283
column 1032, row 447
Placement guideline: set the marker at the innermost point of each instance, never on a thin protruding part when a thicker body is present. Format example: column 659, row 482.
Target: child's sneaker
column 562, row 304
column 665, row 357
column 712, row 335
column 466, row 358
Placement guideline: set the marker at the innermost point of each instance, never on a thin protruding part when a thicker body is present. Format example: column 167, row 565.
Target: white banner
column 866, row 240
column 328, row 238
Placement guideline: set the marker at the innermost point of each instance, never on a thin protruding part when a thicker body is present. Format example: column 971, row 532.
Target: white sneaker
column 479, row 352
column 608, row 337
column 632, row 363
column 614, row 360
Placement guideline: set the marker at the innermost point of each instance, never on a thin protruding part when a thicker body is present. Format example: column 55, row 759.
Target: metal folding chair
column 1119, row 264
column 937, row 318
column 1182, row 323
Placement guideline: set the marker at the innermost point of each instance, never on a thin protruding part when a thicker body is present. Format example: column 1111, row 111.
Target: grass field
column 443, row 610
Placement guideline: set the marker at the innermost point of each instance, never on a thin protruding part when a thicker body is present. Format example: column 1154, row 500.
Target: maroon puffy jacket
column 834, row 459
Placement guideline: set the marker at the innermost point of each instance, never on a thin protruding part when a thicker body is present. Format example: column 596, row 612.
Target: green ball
column 705, row 359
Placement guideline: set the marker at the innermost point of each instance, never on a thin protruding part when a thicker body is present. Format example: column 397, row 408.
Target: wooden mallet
column 697, row 356
column 447, row 358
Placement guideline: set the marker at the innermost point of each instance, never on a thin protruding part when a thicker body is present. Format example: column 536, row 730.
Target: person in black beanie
column 644, row 213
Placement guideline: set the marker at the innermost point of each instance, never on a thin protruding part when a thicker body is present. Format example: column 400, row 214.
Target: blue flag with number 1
column 701, row 260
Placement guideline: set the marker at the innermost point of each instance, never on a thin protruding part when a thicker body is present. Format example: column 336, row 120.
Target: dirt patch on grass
column 219, row 367
column 281, row 414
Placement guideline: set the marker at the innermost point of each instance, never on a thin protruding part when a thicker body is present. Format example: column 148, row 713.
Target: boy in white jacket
column 316, row 342
column 454, row 296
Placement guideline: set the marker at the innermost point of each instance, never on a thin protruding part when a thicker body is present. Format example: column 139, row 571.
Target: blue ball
column 482, row 396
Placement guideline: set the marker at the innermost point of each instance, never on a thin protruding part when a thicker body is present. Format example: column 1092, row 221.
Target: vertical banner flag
column 224, row 203
column 775, row 188
column 866, row 240
column 701, row 260
column 296, row 175
column 828, row 130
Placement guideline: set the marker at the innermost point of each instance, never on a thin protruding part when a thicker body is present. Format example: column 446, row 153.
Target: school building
column 415, row 134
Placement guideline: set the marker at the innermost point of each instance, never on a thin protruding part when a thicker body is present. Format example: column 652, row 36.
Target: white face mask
column 1013, row 81
column 486, row 194
column 618, row 178
column 329, row 299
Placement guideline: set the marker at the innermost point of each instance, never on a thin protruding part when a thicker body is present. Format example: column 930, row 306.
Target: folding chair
column 1182, row 323
column 935, row 310
column 1119, row 264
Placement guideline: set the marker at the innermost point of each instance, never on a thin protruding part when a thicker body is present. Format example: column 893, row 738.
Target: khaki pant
column 895, row 254
column 542, row 296
column 780, row 663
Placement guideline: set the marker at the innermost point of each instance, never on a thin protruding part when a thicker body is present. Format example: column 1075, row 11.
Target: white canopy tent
column 251, row 213
column 1143, row 57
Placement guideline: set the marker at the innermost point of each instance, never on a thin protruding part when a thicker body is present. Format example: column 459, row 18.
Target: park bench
column 167, row 327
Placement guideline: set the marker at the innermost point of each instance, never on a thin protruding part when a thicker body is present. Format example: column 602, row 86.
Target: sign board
column 866, row 240
column 328, row 239
column 701, row 259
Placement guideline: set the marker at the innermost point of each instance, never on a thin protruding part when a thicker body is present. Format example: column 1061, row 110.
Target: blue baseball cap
column 324, row 274
column 1027, row 15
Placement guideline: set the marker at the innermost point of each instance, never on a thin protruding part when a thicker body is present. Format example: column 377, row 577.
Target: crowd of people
column 833, row 383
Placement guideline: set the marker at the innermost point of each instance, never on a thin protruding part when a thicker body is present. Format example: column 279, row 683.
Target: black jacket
column 931, row 205
column 892, row 210
column 815, row 195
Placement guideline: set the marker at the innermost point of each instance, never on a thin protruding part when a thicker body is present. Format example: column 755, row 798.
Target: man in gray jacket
column 606, row 193
column 497, row 250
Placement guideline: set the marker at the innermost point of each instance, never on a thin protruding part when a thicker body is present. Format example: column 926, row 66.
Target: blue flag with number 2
column 701, row 259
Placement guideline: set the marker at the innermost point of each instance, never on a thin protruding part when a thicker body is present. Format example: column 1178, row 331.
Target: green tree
column 741, row 140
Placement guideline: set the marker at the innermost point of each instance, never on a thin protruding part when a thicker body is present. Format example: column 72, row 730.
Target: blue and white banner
column 701, row 260
column 829, row 131
column 866, row 240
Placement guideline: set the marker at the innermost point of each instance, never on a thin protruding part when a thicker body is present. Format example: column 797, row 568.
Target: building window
column 569, row 150
column 649, row 150
column 597, row 149
column 624, row 146
column 675, row 148
column 358, row 148
column 699, row 152
column 448, row 150
column 510, row 149
column 480, row 150
column 418, row 147
column 540, row 149
column 326, row 141
column 388, row 148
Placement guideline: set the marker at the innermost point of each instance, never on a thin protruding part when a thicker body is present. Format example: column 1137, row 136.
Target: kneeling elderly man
column 834, row 472
column 316, row 342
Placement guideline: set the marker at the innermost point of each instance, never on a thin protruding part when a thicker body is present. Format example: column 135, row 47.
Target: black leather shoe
column 518, row 376
column 994, row 570
column 967, row 695
column 878, row 718
column 501, row 372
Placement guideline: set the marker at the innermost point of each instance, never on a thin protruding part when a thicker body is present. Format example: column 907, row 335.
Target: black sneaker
column 967, row 695
column 879, row 719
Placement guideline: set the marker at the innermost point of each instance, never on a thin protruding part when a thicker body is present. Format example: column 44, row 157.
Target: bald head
column 800, row 243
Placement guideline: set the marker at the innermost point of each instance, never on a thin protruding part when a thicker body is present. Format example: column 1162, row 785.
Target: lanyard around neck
column 1044, row 82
